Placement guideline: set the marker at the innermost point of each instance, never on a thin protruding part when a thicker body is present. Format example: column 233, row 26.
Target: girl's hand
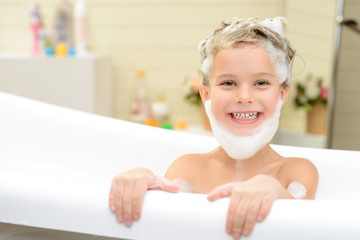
column 128, row 191
column 250, row 202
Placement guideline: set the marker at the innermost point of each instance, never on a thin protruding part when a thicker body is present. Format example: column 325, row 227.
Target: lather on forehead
column 268, row 34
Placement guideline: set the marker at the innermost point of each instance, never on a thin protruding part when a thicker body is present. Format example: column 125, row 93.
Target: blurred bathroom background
column 137, row 60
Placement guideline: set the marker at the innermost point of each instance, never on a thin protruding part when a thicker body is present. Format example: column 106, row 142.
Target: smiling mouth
column 245, row 116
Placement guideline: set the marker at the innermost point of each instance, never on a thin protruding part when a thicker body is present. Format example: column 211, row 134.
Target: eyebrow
column 225, row 75
column 260, row 74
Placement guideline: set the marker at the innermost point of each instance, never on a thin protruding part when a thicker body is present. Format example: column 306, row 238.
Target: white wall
column 160, row 36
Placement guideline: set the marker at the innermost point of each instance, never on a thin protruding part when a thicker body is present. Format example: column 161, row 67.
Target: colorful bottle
column 36, row 25
column 62, row 24
column 81, row 28
column 140, row 105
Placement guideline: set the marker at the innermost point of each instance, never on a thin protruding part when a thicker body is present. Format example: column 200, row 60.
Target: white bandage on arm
column 297, row 190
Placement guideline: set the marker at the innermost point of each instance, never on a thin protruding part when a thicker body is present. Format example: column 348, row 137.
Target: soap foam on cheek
column 244, row 147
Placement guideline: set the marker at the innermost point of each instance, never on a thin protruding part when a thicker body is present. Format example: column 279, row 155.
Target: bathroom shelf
column 82, row 83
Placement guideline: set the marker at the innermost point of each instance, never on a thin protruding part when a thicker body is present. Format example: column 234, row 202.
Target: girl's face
column 244, row 88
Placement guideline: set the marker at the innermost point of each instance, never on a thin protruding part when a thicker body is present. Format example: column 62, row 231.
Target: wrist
column 280, row 191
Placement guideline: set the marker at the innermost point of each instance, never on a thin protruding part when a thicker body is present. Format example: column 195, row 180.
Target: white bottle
column 140, row 105
column 81, row 28
column 160, row 108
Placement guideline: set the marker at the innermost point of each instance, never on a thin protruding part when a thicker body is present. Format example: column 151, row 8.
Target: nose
column 244, row 95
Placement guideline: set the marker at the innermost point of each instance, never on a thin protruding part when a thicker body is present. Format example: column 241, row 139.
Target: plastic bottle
column 81, row 28
column 36, row 25
column 160, row 108
column 140, row 105
column 62, row 24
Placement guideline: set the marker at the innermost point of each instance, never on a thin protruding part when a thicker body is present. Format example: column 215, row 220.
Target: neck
column 262, row 156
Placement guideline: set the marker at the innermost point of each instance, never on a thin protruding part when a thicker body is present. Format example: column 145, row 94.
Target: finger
column 266, row 205
column 252, row 214
column 138, row 195
column 127, row 202
column 232, row 209
column 220, row 192
column 240, row 213
column 118, row 192
column 112, row 195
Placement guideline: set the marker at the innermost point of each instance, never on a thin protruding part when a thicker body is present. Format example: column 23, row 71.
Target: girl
column 246, row 66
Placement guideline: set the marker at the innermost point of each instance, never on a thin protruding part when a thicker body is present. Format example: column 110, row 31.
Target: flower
column 191, row 87
column 310, row 92
column 324, row 92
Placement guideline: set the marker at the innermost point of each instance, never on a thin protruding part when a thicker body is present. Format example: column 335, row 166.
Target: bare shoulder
column 185, row 166
column 303, row 171
column 299, row 166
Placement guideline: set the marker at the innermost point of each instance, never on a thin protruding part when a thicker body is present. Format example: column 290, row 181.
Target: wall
column 160, row 36
column 311, row 31
column 346, row 128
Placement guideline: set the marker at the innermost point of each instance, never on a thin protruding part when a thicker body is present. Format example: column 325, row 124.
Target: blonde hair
column 268, row 34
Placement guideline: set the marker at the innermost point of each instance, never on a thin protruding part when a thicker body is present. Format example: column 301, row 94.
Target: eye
column 228, row 83
column 262, row 83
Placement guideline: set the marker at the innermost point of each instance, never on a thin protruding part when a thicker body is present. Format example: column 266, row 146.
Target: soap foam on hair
column 275, row 43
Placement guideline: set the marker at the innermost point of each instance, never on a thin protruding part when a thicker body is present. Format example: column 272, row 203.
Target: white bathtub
column 56, row 166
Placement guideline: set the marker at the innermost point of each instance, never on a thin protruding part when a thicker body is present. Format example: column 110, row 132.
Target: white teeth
column 245, row 115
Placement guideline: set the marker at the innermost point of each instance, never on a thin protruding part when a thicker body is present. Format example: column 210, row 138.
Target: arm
column 128, row 191
column 304, row 172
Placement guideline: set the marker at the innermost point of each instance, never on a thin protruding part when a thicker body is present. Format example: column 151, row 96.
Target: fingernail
column 211, row 198
column 237, row 235
column 136, row 216
column 246, row 232
column 128, row 223
column 112, row 208
column 120, row 219
column 259, row 219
